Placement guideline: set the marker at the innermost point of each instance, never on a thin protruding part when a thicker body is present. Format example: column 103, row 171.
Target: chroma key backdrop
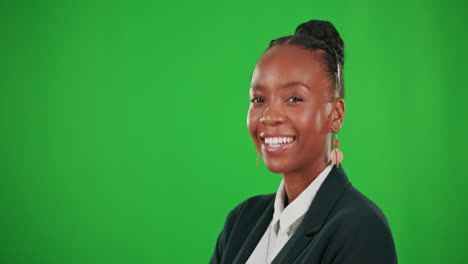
column 123, row 133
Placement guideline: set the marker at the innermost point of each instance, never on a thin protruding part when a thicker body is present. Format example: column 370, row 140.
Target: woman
column 316, row 216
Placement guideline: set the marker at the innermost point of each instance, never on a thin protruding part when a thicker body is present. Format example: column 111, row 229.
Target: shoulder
column 245, row 215
column 355, row 207
column 239, row 224
column 356, row 222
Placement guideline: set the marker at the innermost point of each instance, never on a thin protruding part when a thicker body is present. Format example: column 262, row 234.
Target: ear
column 337, row 115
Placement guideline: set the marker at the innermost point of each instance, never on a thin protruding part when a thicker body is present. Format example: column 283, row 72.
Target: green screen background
column 123, row 125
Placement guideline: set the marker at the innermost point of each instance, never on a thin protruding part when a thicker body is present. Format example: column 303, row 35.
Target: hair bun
column 324, row 31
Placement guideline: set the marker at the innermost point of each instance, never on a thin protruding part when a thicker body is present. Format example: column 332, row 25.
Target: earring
column 256, row 163
column 336, row 154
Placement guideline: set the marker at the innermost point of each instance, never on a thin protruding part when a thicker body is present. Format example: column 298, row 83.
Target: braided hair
column 322, row 35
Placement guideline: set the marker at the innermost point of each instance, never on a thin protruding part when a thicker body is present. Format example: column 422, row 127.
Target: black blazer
column 341, row 226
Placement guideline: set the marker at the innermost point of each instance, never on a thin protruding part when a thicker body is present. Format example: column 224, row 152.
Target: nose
column 272, row 116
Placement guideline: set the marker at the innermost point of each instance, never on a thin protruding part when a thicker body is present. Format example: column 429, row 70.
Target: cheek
column 322, row 124
column 252, row 121
column 313, row 120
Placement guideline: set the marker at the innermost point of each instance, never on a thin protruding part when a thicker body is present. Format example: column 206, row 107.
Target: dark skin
column 291, row 98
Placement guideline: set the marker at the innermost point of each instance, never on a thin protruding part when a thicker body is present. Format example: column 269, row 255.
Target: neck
column 295, row 182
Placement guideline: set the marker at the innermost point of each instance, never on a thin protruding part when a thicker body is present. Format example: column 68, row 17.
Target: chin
column 278, row 167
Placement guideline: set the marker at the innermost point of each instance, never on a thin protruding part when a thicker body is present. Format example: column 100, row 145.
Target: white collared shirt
column 285, row 220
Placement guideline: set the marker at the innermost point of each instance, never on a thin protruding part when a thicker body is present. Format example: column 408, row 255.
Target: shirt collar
column 297, row 209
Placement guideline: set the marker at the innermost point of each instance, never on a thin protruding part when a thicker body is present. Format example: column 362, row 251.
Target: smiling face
column 291, row 113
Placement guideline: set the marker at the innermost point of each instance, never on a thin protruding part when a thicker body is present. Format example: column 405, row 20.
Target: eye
column 257, row 100
column 294, row 99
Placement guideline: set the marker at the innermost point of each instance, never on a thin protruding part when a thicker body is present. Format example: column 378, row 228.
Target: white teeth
column 277, row 141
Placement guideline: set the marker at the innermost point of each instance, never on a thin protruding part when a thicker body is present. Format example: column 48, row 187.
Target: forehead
column 290, row 63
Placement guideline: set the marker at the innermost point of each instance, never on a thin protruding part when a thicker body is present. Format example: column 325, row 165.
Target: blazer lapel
column 255, row 235
column 326, row 197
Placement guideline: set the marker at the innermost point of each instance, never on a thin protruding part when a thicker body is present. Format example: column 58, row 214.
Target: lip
column 263, row 135
column 275, row 150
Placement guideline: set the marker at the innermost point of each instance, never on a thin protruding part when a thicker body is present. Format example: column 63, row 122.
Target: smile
column 276, row 144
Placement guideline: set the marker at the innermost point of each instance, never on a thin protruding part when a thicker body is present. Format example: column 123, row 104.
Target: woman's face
column 289, row 117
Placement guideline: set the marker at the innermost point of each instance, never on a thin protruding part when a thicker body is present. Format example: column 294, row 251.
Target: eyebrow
column 286, row 85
